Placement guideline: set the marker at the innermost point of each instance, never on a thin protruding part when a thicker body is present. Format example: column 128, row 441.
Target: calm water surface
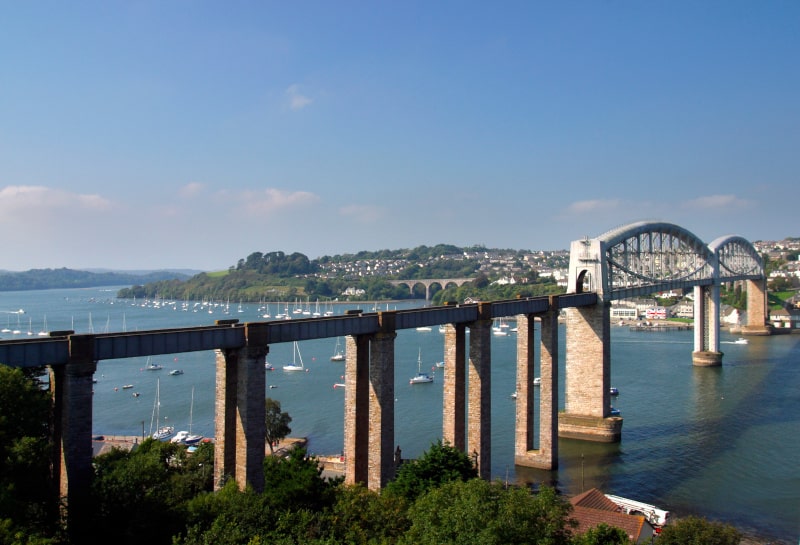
column 719, row 442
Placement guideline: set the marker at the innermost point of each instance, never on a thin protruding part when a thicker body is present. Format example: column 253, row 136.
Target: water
column 718, row 442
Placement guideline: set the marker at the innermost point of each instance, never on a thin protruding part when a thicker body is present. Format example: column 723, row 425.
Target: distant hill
column 43, row 279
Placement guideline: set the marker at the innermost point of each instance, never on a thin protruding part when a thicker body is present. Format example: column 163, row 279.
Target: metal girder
column 34, row 353
column 231, row 334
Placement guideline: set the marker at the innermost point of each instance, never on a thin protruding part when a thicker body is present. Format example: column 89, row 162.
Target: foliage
column 292, row 509
column 25, row 480
column 735, row 297
column 482, row 290
column 278, row 264
column 698, row 531
column 276, row 423
column 479, row 512
column 228, row 516
column 296, row 482
column 139, row 496
column 361, row 516
column 602, row 534
column 441, row 463
column 781, row 283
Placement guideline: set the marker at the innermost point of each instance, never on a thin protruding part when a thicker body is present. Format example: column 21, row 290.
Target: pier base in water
column 590, row 428
column 706, row 358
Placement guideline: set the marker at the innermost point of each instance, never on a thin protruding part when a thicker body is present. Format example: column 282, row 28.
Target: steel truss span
column 737, row 259
column 646, row 257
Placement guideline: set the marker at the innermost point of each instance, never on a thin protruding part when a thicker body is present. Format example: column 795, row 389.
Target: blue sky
column 190, row 134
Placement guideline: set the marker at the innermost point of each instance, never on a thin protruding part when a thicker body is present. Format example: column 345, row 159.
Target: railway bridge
column 640, row 258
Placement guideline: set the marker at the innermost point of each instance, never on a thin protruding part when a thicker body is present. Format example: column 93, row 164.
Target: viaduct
column 636, row 259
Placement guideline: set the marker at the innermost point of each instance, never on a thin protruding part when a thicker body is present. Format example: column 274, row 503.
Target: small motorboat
column 268, row 366
column 176, row 372
column 614, row 412
column 537, row 381
column 127, row 386
column 614, row 391
column 740, row 340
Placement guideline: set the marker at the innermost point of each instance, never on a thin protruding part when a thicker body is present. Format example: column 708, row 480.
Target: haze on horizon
column 154, row 135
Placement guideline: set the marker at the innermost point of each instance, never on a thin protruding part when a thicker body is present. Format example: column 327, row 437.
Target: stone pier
column 757, row 317
column 239, row 424
column 588, row 399
column 546, row 456
column 479, row 411
column 356, row 409
column 71, row 387
column 455, row 391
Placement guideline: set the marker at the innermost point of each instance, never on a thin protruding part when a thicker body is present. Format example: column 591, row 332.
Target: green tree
column 140, row 496
column 361, row 516
column 441, row 463
column 698, row 531
column 602, row 534
column 276, row 423
column 296, row 482
column 482, row 513
column 26, row 497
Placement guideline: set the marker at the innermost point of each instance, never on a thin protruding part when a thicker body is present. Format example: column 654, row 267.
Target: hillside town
column 505, row 267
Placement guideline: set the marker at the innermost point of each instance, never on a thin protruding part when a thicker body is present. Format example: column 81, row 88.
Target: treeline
column 40, row 279
column 481, row 289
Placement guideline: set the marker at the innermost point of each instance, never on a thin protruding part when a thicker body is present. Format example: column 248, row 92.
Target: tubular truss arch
column 738, row 259
column 645, row 257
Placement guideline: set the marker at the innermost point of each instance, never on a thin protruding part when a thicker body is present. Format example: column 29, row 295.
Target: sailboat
column 295, row 356
column 338, row 355
column 420, row 378
column 500, row 329
column 164, row 432
column 187, row 437
column 44, row 332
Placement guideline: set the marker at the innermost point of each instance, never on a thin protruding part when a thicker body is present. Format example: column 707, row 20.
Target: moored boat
column 420, row 378
column 296, row 357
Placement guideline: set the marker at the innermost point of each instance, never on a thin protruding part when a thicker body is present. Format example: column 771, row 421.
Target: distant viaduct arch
column 428, row 282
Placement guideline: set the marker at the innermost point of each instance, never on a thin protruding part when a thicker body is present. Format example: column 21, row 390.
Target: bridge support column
column 239, row 448
column 455, row 390
column 546, row 456
column 356, row 409
column 479, row 411
column 706, row 327
column 72, row 432
column 757, row 317
column 588, row 381
column 381, row 406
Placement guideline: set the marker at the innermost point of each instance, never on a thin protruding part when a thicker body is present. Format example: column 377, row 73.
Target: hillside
column 43, row 279
column 276, row 276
